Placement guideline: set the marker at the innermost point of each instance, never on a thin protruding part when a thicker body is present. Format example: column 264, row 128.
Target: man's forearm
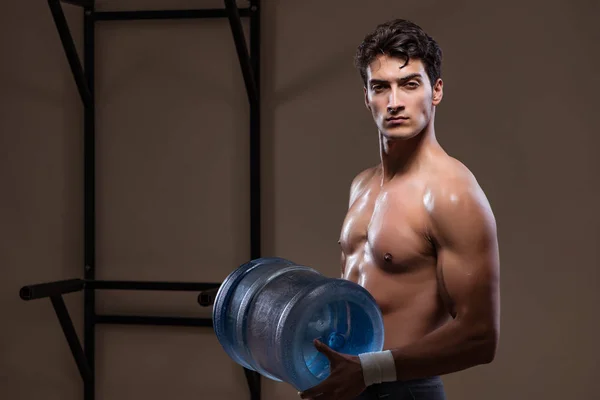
column 450, row 348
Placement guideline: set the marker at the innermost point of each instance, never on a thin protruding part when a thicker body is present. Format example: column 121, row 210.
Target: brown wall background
column 519, row 109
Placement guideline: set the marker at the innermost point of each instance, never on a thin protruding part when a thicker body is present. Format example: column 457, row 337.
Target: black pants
column 418, row 389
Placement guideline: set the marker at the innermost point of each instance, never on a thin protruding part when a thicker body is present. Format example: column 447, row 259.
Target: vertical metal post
column 253, row 378
column 255, row 137
column 89, row 201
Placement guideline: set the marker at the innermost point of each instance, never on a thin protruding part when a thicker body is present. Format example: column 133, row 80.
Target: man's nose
column 394, row 102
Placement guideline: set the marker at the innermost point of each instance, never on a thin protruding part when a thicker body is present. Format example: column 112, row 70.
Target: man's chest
column 389, row 227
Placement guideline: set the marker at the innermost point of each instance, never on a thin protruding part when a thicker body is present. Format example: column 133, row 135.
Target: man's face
column 401, row 99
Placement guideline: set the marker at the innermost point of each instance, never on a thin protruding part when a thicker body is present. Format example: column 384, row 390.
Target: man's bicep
column 468, row 260
column 471, row 282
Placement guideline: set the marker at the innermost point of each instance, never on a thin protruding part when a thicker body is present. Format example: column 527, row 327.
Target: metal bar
column 141, row 285
column 81, row 3
column 253, row 378
column 41, row 290
column 255, row 136
column 242, row 51
column 165, row 14
column 206, row 298
column 70, row 51
column 67, row 326
column 150, row 320
column 89, row 201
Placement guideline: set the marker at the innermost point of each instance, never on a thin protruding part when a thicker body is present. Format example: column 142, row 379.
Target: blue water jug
column 268, row 311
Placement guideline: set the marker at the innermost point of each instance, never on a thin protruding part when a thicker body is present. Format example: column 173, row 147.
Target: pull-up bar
column 84, row 79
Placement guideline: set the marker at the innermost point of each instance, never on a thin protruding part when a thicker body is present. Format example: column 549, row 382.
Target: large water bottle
column 268, row 311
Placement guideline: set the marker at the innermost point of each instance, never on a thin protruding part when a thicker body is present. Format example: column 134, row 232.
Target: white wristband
column 378, row 367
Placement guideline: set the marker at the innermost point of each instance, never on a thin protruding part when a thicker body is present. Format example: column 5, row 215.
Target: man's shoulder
column 364, row 176
column 450, row 175
column 456, row 192
column 361, row 180
column 461, row 217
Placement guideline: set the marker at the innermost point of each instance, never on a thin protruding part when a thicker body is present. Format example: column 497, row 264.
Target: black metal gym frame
column 84, row 78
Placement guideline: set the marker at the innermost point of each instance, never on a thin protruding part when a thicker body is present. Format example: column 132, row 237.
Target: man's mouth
column 396, row 120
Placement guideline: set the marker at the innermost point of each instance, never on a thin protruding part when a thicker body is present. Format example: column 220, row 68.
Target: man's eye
column 412, row 85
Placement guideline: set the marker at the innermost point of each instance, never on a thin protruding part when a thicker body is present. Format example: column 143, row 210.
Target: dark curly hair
column 403, row 39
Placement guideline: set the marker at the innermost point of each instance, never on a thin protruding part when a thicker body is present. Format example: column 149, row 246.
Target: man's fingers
column 323, row 348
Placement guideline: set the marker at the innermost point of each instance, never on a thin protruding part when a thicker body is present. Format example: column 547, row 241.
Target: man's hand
column 345, row 381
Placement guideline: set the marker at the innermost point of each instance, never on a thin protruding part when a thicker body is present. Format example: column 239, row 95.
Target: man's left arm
column 464, row 231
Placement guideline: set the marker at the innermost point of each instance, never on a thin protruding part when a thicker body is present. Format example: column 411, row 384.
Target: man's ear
column 366, row 94
column 438, row 92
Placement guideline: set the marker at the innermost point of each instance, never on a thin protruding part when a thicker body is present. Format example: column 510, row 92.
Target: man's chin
column 397, row 134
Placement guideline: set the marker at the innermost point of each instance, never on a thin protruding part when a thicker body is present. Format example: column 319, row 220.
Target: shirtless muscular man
column 419, row 235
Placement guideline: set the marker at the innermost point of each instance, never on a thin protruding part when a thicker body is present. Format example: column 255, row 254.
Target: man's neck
column 401, row 157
